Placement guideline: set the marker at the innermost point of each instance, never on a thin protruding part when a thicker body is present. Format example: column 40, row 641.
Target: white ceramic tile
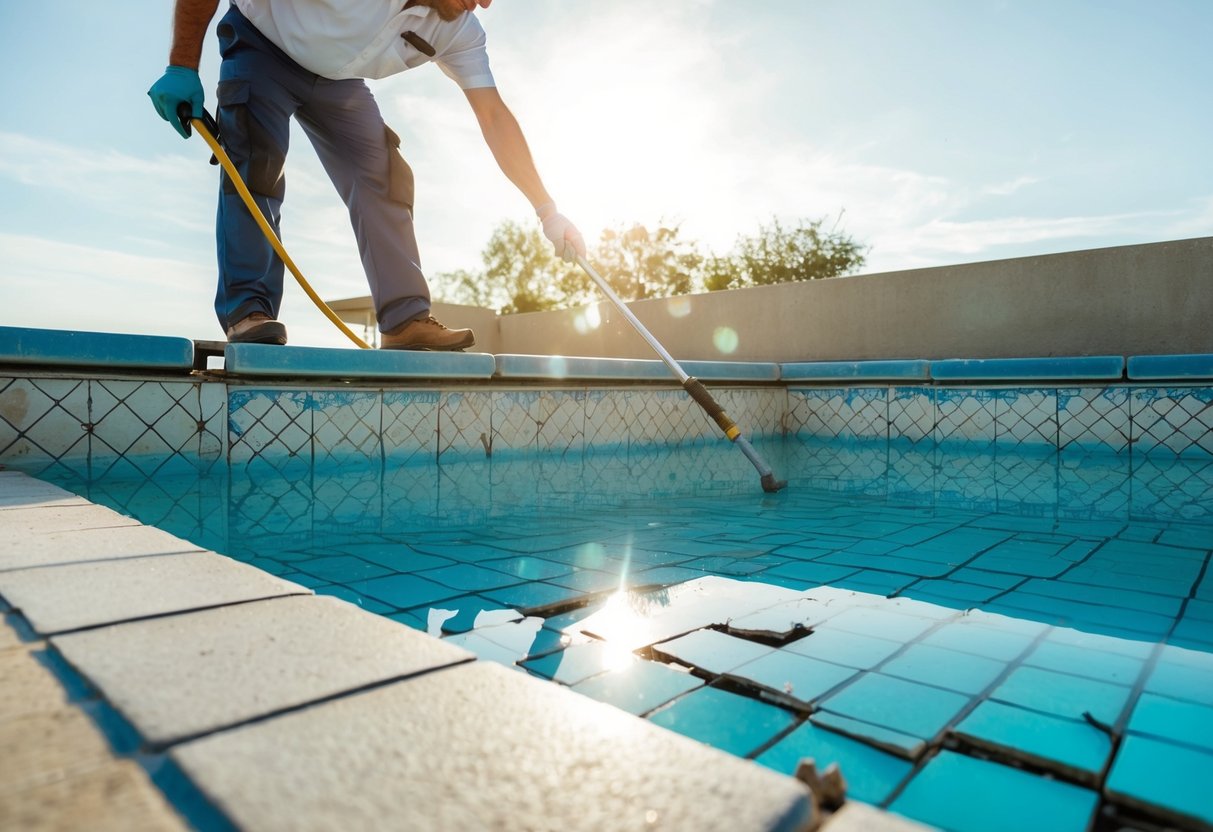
column 964, row 415
column 843, row 412
column 561, row 415
column 757, row 411
column 465, row 425
column 270, row 426
column 44, row 422
column 606, row 418
column 410, row 426
column 1093, row 418
column 1026, row 417
column 152, row 425
column 664, row 417
column 346, row 426
column 212, row 440
column 515, row 420
column 912, row 414
column 799, row 412
column 1179, row 420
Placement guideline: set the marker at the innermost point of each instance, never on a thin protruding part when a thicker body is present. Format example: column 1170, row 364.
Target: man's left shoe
column 257, row 328
column 426, row 334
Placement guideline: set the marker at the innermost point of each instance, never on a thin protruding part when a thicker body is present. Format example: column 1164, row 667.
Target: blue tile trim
column 732, row 370
column 323, row 362
column 1171, row 366
column 1017, row 369
column 61, row 347
column 576, row 367
column 910, row 369
column 628, row 369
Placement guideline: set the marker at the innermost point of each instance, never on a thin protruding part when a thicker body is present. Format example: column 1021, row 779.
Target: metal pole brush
column 692, row 385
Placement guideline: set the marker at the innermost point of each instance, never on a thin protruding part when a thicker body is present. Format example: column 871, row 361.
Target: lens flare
column 725, row 339
column 679, row 307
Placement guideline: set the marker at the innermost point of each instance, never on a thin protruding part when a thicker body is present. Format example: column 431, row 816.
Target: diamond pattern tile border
column 1176, row 420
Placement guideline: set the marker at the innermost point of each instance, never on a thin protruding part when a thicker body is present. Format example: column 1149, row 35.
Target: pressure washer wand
column 692, row 385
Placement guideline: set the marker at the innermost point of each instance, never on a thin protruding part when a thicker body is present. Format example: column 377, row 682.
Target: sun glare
column 588, row 320
column 633, row 141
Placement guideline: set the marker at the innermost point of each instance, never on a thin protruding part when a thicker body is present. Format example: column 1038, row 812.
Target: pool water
column 1036, row 627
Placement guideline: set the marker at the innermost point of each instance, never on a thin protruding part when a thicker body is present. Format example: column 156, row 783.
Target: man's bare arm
column 504, row 138
column 190, row 21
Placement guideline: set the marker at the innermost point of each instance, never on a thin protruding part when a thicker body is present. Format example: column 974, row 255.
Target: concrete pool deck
column 130, row 655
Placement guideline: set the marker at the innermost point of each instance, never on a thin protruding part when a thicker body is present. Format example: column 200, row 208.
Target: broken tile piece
column 711, row 651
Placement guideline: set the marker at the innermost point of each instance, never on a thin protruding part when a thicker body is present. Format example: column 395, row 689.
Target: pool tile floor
column 1006, row 617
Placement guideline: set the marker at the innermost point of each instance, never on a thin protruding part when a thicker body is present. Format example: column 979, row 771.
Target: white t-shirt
column 363, row 38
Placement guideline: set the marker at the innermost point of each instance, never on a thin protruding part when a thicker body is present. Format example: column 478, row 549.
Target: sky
column 936, row 132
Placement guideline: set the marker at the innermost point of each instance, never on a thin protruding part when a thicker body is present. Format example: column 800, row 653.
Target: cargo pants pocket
column 400, row 175
column 252, row 147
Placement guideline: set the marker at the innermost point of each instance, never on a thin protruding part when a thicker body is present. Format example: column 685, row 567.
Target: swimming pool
column 1035, row 625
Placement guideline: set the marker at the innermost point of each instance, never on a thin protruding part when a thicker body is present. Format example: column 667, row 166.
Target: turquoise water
column 1038, row 627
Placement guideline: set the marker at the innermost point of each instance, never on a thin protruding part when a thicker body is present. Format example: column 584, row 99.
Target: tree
column 521, row 274
column 717, row 273
column 639, row 263
column 803, row 252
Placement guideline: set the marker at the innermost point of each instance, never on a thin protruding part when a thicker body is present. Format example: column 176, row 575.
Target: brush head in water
column 771, row 485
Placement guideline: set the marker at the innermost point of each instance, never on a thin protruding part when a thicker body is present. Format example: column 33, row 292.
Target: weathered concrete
column 185, row 675
column 55, row 599
column 58, row 771
column 28, row 686
column 34, row 548
column 114, row 796
column 860, row 817
column 482, row 747
column 1151, row 299
column 47, row 746
column 18, row 490
column 24, row 522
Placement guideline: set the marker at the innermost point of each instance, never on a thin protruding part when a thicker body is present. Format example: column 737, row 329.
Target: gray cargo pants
column 260, row 88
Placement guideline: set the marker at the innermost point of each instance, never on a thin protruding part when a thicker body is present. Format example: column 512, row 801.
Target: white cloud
column 1011, row 186
column 55, row 284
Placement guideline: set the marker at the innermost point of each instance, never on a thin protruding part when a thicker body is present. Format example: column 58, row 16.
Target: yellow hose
column 268, row 231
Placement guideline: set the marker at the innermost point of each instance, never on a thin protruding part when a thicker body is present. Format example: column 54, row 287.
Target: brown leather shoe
column 257, row 328
column 426, row 334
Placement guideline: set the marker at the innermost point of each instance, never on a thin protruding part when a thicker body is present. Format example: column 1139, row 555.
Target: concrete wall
column 1129, row 300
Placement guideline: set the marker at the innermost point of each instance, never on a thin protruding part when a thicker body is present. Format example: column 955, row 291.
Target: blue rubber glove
column 177, row 84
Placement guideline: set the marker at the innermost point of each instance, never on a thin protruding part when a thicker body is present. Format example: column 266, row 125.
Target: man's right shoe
column 426, row 334
column 257, row 328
